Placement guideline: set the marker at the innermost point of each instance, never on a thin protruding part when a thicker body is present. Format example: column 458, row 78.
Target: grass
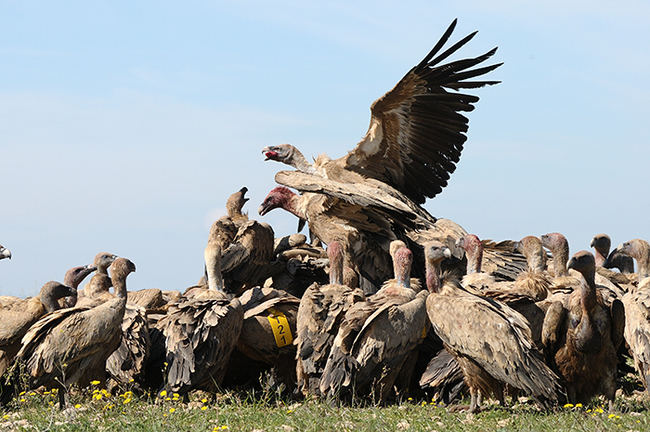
column 97, row 410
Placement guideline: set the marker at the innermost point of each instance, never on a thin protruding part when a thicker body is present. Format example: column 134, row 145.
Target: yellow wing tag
column 281, row 329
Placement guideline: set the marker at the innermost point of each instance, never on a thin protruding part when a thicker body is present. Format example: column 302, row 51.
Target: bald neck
column 213, row 269
column 299, row 162
column 433, row 275
column 560, row 258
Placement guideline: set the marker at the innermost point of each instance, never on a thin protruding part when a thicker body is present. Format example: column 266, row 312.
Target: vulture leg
column 63, row 396
column 475, row 401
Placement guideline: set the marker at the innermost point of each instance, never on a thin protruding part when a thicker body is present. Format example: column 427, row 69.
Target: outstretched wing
column 416, row 131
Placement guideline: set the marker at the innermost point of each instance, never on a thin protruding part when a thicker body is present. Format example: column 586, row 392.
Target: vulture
column 73, row 278
column 321, row 311
column 4, row 253
column 565, row 281
column 601, row 244
column 637, row 308
column 491, row 342
column 201, row 330
column 372, row 196
column 266, row 338
column 100, row 283
column 374, row 352
column 581, row 335
column 247, row 247
column 639, row 250
column 16, row 321
column 70, row 346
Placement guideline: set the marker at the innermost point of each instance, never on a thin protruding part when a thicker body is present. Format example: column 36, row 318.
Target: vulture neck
column 537, row 261
column 119, row 285
column 588, row 292
column 213, row 269
column 433, row 276
column 294, row 205
column 560, row 258
column 299, row 162
column 474, row 261
column 49, row 302
column 336, row 271
column 643, row 261
column 601, row 256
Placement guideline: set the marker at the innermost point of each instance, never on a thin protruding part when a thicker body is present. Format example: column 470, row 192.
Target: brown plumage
column 201, row 331
column 416, row 131
column 257, row 340
column 73, row 278
column 581, row 336
column 322, row 309
column 366, row 232
column 491, row 342
column 637, row 308
column 100, row 283
column 70, row 346
column 16, row 321
column 604, row 260
column 234, row 206
column 126, row 365
column 374, row 350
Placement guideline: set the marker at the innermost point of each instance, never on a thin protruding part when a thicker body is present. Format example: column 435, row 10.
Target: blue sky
column 125, row 125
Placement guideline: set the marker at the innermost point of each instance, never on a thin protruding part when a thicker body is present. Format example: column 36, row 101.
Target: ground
column 98, row 410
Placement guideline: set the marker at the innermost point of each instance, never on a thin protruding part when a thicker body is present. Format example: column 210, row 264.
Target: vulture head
column 335, row 254
column 555, row 242
column 236, row 202
column 531, row 247
column 103, row 260
column 402, row 261
column 281, row 153
column 52, row 291
column 75, row 275
column 638, row 249
column 602, row 243
column 585, row 263
column 280, row 197
column 434, row 253
column 4, row 252
column 121, row 268
column 473, row 248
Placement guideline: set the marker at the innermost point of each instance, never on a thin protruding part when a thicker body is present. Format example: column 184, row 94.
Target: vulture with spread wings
column 372, row 195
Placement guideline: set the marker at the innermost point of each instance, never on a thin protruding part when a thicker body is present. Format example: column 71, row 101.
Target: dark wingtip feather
column 441, row 42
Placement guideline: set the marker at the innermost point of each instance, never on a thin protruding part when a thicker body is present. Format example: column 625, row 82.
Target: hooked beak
column 593, row 242
column 262, row 210
column 5, row 253
column 269, row 153
column 571, row 264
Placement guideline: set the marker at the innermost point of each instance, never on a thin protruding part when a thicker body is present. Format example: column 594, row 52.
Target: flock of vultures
column 383, row 301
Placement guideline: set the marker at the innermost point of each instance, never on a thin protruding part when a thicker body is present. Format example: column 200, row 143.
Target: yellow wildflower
column 599, row 410
column 568, row 405
column 578, row 405
column 21, row 393
column 203, row 408
column 5, row 417
column 410, row 399
column 95, row 382
column 611, row 416
column 97, row 396
column 171, row 410
column 163, row 393
column 131, row 380
column 77, row 406
column 204, row 400
column 126, row 401
column 289, row 411
column 22, row 400
column 168, row 398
